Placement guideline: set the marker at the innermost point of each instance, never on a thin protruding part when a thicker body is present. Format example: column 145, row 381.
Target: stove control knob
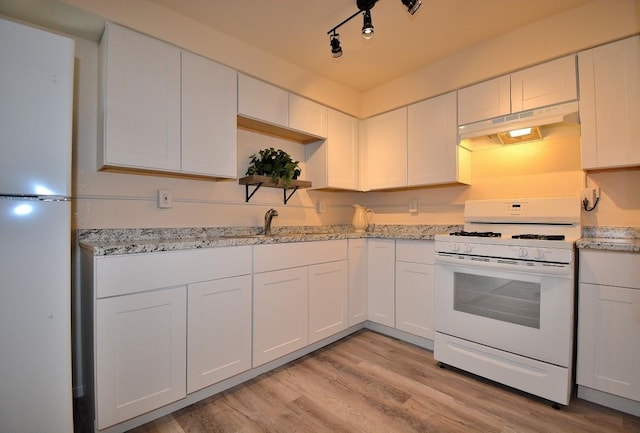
column 522, row 252
column 538, row 254
column 467, row 248
column 454, row 246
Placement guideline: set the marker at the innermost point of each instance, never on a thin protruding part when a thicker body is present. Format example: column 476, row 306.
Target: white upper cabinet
column 545, row 84
column 384, row 139
column 307, row 116
column 262, row 101
column 165, row 109
column 141, row 101
column 484, row 100
column 267, row 108
column 209, row 107
column 433, row 153
column 539, row 86
column 333, row 163
column 610, row 105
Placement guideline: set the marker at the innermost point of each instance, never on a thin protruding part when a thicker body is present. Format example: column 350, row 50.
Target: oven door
column 507, row 307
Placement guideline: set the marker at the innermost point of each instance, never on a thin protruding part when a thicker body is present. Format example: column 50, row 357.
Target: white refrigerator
column 36, row 98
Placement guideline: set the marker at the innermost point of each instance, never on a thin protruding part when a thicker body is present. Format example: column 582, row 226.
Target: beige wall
column 549, row 168
column 584, row 27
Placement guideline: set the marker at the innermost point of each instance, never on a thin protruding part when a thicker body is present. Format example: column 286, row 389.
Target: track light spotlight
column 336, row 49
column 364, row 7
column 412, row 5
column 367, row 25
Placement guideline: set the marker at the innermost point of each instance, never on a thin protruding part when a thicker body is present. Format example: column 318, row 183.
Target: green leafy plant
column 275, row 163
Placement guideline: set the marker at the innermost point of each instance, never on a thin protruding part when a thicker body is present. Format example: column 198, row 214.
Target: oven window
column 502, row 299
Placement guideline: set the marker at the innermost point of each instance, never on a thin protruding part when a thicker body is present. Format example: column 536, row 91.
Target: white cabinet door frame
column 328, row 299
column 139, row 353
column 219, row 330
column 280, row 313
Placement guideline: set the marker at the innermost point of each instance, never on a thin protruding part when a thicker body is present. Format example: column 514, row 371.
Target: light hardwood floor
column 370, row 383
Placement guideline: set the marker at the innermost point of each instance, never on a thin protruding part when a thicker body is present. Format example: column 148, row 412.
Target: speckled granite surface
column 101, row 242
column 626, row 239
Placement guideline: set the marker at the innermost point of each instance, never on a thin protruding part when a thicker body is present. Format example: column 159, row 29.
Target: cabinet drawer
column 282, row 256
column 119, row 275
column 611, row 268
column 415, row 251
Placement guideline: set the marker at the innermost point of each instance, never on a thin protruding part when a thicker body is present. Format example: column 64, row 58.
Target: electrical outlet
column 413, row 206
column 320, row 206
column 589, row 196
column 164, row 199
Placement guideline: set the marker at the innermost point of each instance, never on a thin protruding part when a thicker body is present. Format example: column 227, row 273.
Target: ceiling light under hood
column 482, row 135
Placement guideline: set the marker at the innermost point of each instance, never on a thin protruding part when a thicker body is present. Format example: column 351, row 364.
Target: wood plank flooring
column 372, row 383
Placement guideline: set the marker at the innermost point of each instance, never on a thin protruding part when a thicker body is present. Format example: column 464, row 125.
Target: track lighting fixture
column 367, row 25
column 364, row 7
column 412, row 5
column 336, row 49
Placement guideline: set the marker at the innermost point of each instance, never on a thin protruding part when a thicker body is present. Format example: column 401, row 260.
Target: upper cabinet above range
column 546, row 84
column 266, row 108
column 164, row 109
column 610, row 105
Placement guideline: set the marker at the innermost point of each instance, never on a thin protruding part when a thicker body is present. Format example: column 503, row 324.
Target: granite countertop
column 625, row 239
column 103, row 242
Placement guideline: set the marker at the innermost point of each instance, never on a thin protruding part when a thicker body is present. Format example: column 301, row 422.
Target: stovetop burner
column 477, row 234
column 541, row 237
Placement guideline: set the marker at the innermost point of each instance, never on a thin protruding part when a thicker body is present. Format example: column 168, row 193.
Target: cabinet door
column 484, row 100
column 209, row 110
column 610, row 104
column 219, row 338
column 357, row 281
column 381, row 280
column 280, row 313
column 333, row 163
column 608, row 343
column 139, row 353
column 433, row 143
column 385, row 144
column 141, row 101
column 307, row 116
column 546, row 84
column 328, row 299
column 262, row 101
column 414, row 298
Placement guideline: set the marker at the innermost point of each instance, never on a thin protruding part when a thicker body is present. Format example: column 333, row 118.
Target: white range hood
column 495, row 132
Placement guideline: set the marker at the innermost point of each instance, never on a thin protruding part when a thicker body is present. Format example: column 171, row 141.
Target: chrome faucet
column 267, row 221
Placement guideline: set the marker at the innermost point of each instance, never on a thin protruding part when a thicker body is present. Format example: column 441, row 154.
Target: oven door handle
column 522, row 266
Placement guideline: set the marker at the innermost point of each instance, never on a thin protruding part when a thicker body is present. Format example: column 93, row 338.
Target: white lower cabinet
column 328, row 299
column 219, row 337
column 414, row 287
column 357, row 281
column 381, row 258
column 280, row 313
column 140, row 353
column 145, row 355
column 609, row 323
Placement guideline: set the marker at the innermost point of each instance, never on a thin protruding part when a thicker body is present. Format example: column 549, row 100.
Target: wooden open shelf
column 258, row 181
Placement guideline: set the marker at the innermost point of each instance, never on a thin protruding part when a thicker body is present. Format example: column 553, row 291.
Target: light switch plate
column 165, row 200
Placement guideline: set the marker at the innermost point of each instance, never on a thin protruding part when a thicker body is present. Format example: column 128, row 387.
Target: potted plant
column 277, row 164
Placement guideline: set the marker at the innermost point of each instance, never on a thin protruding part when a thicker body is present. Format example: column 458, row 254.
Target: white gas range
column 505, row 293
